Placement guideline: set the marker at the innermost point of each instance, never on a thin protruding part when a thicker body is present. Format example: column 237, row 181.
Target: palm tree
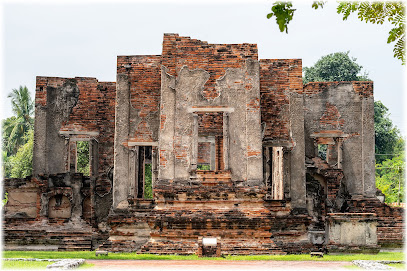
column 14, row 128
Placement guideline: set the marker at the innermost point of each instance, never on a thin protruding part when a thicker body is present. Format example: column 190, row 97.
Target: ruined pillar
column 340, row 151
column 121, row 183
column 194, row 151
column 40, row 138
column 167, row 119
column 368, row 148
column 94, row 157
column 298, row 184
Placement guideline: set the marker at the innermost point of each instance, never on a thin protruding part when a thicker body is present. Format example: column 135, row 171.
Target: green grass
column 85, row 265
column 383, row 256
column 24, row 265
column 353, row 267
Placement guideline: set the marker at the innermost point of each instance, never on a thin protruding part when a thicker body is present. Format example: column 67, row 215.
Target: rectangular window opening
column 210, row 141
column 322, row 151
column 82, row 158
column 273, row 171
column 145, row 173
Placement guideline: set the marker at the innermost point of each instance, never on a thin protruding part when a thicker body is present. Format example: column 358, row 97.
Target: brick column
column 226, row 140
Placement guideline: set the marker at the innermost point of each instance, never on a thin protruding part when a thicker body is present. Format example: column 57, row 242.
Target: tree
column 21, row 163
column 387, row 137
column 14, row 128
column 370, row 12
column 390, row 178
column 335, row 67
column 82, row 150
column 6, row 165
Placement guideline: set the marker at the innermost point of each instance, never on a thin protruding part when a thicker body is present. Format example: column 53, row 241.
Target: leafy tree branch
column 370, row 12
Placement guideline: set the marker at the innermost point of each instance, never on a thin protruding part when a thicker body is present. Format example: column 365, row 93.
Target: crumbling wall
column 343, row 112
column 181, row 215
column 282, row 121
column 390, row 220
column 137, row 118
column 55, row 99
column 202, row 77
column 195, row 99
column 45, row 212
column 23, row 199
column 70, row 110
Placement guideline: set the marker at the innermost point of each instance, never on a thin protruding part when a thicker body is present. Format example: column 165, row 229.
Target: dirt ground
column 215, row 265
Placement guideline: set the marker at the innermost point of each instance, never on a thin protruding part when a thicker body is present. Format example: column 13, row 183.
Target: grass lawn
column 383, row 256
column 17, row 265
column 24, row 265
column 85, row 265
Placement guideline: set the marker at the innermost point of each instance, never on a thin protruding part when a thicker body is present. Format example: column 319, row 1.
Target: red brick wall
column 42, row 83
column 145, row 89
column 210, row 124
column 278, row 77
column 214, row 58
column 220, row 165
column 364, row 88
column 204, row 153
column 94, row 112
column 390, row 226
column 332, row 117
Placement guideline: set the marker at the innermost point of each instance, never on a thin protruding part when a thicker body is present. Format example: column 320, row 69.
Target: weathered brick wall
column 94, row 111
column 207, row 75
column 363, row 88
column 220, row 163
column 204, row 153
column 245, row 223
column 23, row 227
column 144, row 75
column 343, row 111
column 213, row 58
column 92, row 115
column 210, row 124
column 391, row 225
column 278, row 78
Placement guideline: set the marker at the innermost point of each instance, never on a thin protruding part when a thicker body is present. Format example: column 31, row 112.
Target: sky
column 83, row 38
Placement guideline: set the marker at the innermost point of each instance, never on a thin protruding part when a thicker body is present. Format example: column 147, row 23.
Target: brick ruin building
column 239, row 155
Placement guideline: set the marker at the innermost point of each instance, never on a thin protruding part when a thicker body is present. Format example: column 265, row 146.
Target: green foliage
column 335, row 67
column 82, row 150
column 5, row 199
column 17, row 133
column 148, row 185
column 370, row 12
column 203, row 167
column 14, row 128
column 322, row 149
column 21, row 162
column 284, row 13
column 389, row 256
column 6, row 165
column 378, row 13
column 390, row 177
column 387, row 137
column 318, row 4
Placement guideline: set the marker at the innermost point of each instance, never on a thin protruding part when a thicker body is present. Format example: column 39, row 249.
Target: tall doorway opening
column 210, row 141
